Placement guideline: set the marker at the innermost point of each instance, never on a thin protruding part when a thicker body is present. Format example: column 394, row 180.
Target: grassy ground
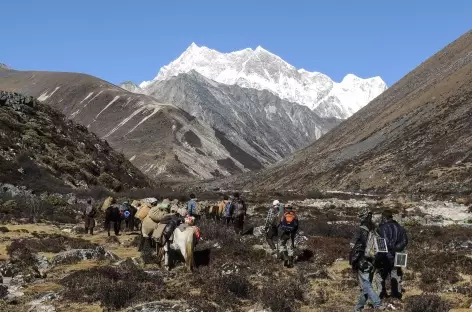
column 241, row 276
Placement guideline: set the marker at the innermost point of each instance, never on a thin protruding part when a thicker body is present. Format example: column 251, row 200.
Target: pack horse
column 183, row 240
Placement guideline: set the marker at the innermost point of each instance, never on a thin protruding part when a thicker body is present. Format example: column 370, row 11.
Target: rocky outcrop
column 41, row 150
column 76, row 255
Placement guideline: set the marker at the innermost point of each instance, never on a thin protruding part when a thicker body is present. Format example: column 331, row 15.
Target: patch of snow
column 122, row 123
column 108, row 105
column 44, row 96
column 144, row 119
column 74, row 113
column 89, row 95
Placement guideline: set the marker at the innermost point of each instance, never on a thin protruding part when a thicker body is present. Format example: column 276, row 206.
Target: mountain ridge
column 262, row 70
column 163, row 141
column 258, row 121
column 415, row 137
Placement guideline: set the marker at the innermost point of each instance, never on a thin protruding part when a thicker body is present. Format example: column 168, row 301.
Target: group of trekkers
column 375, row 267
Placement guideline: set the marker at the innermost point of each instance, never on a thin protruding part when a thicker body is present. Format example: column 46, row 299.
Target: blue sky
column 130, row 40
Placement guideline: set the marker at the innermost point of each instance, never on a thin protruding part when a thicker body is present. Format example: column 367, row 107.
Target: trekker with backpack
column 238, row 211
column 361, row 258
column 192, row 206
column 397, row 240
column 221, row 213
column 89, row 217
column 271, row 224
column 287, row 231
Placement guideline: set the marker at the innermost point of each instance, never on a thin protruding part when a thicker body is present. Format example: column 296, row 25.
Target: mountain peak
column 4, row 66
column 192, row 47
column 262, row 70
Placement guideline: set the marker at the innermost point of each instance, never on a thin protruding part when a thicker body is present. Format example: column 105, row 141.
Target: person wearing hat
column 271, row 224
column 362, row 264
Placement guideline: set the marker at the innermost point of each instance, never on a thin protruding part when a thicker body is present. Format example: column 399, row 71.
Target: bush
column 321, row 227
column 426, row 303
column 114, row 287
column 328, row 249
column 52, row 243
column 283, row 295
column 20, row 254
column 109, row 181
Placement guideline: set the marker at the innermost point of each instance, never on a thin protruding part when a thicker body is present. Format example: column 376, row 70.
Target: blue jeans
column 367, row 292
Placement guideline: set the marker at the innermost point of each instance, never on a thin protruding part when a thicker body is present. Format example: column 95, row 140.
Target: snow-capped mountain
column 259, row 69
column 130, row 86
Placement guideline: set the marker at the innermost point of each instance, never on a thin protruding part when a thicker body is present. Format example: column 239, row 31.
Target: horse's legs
column 167, row 257
column 116, row 227
column 141, row 242
column 107, row 227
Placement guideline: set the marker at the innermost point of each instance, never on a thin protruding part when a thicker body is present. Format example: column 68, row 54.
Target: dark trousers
column 270, row 235
column 239, row 224
column 226, row 220
column 89, row 224
column 116, row 227
column 385, row 271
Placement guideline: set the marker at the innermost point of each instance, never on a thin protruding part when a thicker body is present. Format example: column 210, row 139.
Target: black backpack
column 238, row 208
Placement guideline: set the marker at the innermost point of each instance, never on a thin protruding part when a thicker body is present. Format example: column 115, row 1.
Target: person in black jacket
column 397, row 240
column 239, row 209
column 364, row 265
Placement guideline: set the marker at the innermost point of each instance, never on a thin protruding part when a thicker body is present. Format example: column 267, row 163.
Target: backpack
column 238, row 208
column 370, row 250
column 289, row 222
column 228, row 210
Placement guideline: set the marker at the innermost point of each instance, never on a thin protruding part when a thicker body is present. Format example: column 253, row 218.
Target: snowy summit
column 262, row 70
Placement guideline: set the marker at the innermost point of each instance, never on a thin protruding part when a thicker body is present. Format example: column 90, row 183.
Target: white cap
column 275, row 203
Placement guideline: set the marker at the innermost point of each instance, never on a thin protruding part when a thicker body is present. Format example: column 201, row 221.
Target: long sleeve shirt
column 272, row 217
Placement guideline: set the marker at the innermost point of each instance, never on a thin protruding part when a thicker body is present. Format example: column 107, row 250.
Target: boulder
column 76, row 255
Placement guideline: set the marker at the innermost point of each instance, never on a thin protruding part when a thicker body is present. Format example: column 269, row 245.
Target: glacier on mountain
column 260, row 69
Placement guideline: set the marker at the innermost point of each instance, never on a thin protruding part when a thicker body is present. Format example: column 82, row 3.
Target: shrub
column 283, row 295
column 328, row 249
column 426, row 303
column 21, row 254
column 4, row 229
column 54, row 243
column 109, row 181
column 115, row 287
column 3, row 291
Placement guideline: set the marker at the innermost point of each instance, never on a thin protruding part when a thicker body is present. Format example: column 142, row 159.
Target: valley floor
column 53, row 267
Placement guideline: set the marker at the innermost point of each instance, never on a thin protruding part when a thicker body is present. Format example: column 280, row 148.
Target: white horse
column 183, row 241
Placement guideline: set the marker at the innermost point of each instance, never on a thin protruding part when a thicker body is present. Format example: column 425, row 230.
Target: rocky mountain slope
column 162, row 140
column 416, row 136
column 259, row 122
column 43, row 151
column 259, row 69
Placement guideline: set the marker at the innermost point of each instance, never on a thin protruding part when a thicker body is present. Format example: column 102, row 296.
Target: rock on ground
column 83, row 254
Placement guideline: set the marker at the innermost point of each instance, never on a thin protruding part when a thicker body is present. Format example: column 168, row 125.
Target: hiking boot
column 380, row 307
column 286, row 263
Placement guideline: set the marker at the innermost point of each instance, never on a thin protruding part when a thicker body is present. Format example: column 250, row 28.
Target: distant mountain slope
column 42, row 150
column 259, row 69
column 416, row 136
column 162, row 140
column 259, row 122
